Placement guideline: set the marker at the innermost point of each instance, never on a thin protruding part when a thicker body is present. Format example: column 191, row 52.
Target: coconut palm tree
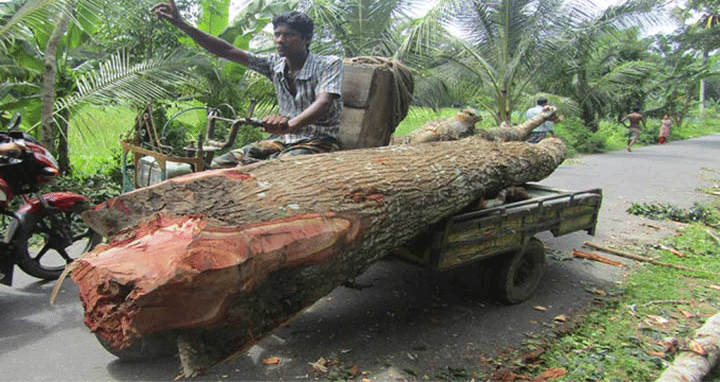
column 605, row 75
column 703, row 34
column 503, row 49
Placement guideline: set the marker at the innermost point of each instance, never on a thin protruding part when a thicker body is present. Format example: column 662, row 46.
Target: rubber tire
column 31, row 266
column 147, row 348
column 520, row 274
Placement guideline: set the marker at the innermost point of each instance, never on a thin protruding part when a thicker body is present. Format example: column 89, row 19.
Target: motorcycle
column 45, row 232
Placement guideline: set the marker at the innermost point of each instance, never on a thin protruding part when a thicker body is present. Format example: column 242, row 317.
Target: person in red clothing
column 665, row 124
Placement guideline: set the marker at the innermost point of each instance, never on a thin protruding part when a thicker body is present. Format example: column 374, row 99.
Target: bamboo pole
column 640, row 258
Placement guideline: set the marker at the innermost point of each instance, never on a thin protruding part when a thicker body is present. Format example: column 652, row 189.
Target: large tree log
column 460, row 125
column 463, row 124
column 221, row 258
column 695, row 364
column 522, row 131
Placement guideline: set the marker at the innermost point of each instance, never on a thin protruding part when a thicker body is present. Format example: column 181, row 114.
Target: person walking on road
column 665, row 124
column 633, row 129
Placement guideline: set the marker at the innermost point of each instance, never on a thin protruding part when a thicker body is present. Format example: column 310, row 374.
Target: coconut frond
column 18, row 18
column 118, row 80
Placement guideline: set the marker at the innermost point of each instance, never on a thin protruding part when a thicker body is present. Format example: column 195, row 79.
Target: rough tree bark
column 463, row 125
column 521, row 131
column 693, row 365
column 220, row 258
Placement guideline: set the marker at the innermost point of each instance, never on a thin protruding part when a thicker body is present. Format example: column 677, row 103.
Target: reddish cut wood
column 221, row 258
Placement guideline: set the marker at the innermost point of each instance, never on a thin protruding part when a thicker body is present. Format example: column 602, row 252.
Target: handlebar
column 249, row 121
column 15, row 122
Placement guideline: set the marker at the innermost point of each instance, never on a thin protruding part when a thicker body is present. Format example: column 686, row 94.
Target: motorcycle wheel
column 45, row 253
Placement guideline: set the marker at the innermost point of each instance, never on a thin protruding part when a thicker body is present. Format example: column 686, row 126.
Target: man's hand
column 276, row 124
column 168, row 11
column 11, row 148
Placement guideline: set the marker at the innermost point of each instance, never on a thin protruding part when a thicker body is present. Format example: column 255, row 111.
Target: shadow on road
column 27, row 317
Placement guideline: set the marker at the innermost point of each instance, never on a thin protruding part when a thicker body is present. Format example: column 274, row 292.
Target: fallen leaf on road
column 697, row 348
column 551, row 373
column 656, row 353
column 540, row 308
column 598, row 292
column 319, row 365
column 671, row 344
column 685, row 313
column 561, row 318
column 658, row 320
column 271, row 361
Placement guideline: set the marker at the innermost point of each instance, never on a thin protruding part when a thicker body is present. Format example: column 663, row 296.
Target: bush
column 578, row 137
column 96, row 187
column 697, row 213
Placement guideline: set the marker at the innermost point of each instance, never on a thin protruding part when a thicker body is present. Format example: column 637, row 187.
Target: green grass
column 417, row 116
column 626, row 338
column 95, row 134
column 94, row 137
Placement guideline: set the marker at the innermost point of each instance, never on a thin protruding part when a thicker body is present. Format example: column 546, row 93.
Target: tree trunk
column 519, row 132
column 463, row 124
column 701, row 91
column 63, row 154
column 48, row 104
column 695, row 364
column 220, row 258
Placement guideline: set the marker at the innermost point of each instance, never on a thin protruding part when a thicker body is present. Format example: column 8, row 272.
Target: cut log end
column 165, row 273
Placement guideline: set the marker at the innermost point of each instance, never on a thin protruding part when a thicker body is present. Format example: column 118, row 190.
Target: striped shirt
column 319, row 74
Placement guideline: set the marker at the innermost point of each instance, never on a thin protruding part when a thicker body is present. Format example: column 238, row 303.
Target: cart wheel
column 520, row 273
column 154, row 346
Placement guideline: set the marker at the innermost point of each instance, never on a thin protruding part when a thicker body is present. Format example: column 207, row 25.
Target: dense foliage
column 58, row 56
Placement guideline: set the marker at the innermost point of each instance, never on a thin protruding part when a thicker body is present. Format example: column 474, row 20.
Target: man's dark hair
column 542, row 101
column 297, row 21
column 636, row 109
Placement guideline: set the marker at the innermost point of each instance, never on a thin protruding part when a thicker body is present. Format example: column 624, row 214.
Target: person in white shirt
column 539, row 133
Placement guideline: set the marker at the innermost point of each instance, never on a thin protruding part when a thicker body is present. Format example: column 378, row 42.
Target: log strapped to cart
column 208, row 263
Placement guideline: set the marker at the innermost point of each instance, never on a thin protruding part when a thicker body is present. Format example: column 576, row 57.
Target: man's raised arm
column 212, row 44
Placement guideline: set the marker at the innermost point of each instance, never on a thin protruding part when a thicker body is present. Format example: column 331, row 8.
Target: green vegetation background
column 95, row 133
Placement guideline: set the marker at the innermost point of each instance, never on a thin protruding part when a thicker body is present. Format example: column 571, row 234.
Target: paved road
column 406, row 319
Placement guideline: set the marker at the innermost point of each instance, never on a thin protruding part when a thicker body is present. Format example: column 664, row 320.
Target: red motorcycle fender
column 31, row 212
column 61, row 200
